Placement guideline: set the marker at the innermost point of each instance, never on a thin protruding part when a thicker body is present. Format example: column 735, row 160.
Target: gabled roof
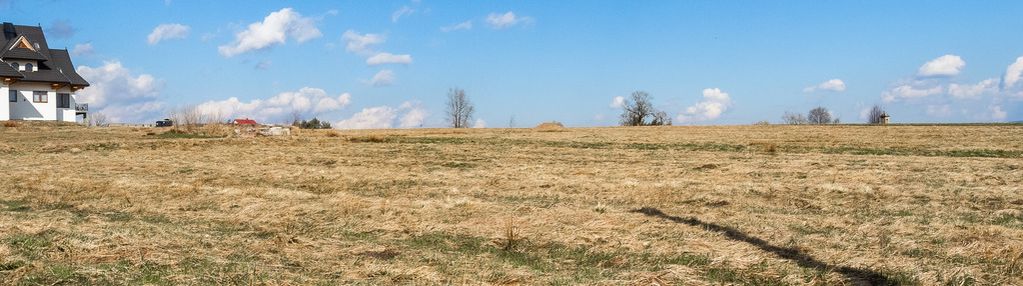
column 54, row 65
column 245, row 122
column 34, row 35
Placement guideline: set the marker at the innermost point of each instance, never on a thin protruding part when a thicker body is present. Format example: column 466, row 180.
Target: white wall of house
column 5, row 106
column 26, row 109
column 67, row 114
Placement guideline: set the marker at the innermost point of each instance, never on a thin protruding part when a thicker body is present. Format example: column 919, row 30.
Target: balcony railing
column 81, row 107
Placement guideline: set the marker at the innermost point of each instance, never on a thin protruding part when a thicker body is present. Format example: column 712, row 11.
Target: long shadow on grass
column 803, row 259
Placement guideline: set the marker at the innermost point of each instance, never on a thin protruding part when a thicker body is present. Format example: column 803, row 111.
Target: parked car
column 166, row 122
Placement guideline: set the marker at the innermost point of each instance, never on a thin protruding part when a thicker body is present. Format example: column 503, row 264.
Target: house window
column 63, row 100
column 28, row 67
column 39, row 97
column 16, row 66
column 12, row 96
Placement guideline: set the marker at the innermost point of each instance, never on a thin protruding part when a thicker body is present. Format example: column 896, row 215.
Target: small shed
column 245, row 122
column 884, row 118
column 245, row 127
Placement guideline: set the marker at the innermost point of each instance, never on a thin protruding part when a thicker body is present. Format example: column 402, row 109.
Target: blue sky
column 704, row 62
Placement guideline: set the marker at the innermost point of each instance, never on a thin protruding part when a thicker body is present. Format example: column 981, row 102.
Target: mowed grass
column 741, row 205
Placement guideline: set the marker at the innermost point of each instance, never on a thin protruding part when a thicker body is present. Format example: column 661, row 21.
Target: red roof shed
column 245, row 122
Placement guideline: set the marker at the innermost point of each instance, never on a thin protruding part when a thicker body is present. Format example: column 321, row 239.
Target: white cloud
column 414, row 116
column 714, row 103
column 943, row 110
column 83, row 50
column 906, row 91
column 263, row 65
column 206, row 37
column 361, row 43
column 943, row 66
column 479, row 124
column 963, row 91
column 369, row 118
column 997, row 114
column 836, row 85
column 167, row 32
column 382, row 78
column 60, row 29
column 388, row 58
column 1014, row 73
column 118, row 93
column 467, row 25
column 381, row 117
column 864, row 112
column 506, row 20
column 617, row 102
column 305, row 102
column 273, row 30
column 401, row 12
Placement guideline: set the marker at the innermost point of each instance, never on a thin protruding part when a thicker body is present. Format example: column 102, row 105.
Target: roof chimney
column 8, row 30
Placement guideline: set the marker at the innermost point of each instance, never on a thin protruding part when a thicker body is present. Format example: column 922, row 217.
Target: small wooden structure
column 884, row 118
column 245, row 122
column 245, row 127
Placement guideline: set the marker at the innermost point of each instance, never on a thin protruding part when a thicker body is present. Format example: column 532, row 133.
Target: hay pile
column 550, row 126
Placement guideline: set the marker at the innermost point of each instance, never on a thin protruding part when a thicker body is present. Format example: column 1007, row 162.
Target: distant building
column 245, row 121
column 884, row 118
column 40, row 83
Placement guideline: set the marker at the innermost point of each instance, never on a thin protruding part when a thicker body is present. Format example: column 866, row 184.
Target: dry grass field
column 744, row 205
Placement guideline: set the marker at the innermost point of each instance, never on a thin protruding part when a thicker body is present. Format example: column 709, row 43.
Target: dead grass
column 766, row 205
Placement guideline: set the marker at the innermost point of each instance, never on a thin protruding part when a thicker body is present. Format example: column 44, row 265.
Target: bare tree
column 637, row 109
column 874, row 116
column 793, row 118
column 191, row 116
column 459, row 108
column 98, row 120
column 819, row 115
column 661, row 118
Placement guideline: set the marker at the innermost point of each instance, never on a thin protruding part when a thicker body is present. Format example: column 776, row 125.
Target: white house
column 40, row 83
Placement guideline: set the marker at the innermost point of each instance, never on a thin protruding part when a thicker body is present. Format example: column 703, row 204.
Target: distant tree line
column 820, row 116
column 816, row 116
column 637, row 110
column 311, row 124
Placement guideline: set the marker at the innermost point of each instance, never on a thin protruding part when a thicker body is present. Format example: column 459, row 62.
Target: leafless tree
column 638, row 108
column 793, row 118
column 875, row 114
column 188, row 117
column 98, row 120
column 661, row 118
column 459, row 108
column 820, row 115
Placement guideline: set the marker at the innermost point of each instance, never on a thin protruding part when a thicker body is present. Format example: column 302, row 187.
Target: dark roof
column 54, row 65
column 61, row 60
column 7, row 70
column 45, row 76
column 25, row 54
